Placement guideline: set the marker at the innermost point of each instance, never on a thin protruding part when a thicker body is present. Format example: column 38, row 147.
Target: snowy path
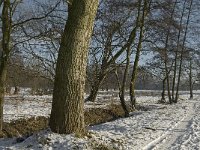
column 184, row 135
column 160, row 127
column 189, row 139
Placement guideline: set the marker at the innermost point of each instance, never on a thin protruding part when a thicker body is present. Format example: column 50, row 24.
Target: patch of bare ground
column 26, row 127
column 95, row 116
column 23, row 127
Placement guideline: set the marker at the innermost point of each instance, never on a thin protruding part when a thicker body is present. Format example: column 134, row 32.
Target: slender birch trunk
column 190, row 80
column 137, row 57
column 176, row 51
column 182, row 51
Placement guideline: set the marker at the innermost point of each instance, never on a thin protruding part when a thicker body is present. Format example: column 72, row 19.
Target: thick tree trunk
column 67, row 115
column 6, row 29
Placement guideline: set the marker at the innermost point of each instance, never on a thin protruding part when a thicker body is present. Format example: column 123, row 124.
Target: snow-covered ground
column 27, row 106
column 17, row 107
column 159, row 127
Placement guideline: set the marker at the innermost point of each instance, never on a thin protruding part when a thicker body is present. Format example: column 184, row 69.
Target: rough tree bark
column 67, row 115
column 6, row 29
